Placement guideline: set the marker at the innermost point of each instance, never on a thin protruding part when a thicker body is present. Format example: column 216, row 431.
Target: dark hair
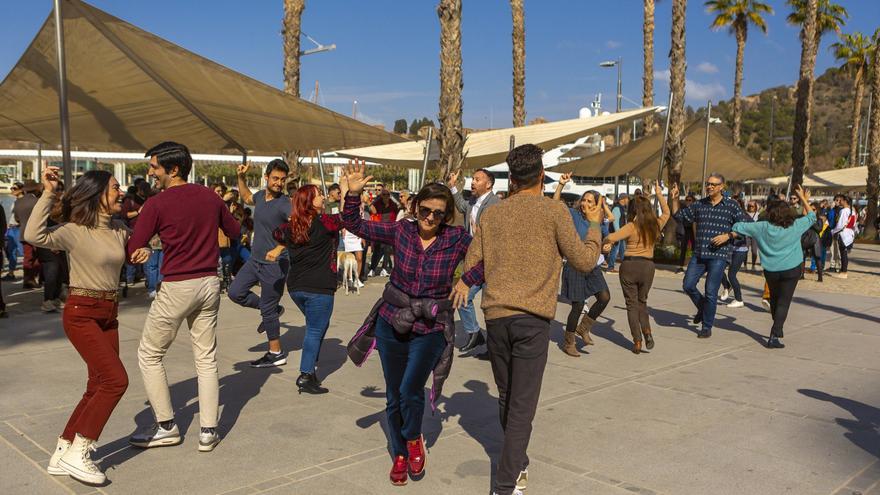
column 221, row 185
column 780, row 213
column 525, row 165
column 488, row 174
column 641, row 213
column 31, row 187
column 82, row 202
column 277, row 164
column 435, row 190
column 169, row 155
column 333, row 187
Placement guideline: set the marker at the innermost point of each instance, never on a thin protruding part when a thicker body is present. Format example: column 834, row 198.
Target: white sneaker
column 725, row 294
column 58, row 303
column 359, row 284
column 522, row 480
column 736, row 304
column 208, row 439
column 514, row 492
column 60, row 450
column 151, row 294
column 839, row 275
column 766, row 304
column 77, row 462
column 48, row 307
column 383, row 273
column 156, row 436
column 370, row 274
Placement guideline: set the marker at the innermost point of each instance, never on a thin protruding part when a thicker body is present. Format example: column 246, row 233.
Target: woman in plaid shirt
column 427, row 252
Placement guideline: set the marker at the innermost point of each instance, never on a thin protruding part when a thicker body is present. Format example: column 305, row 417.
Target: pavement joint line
column 592, row 475
column 840, row 490
column 55, row 479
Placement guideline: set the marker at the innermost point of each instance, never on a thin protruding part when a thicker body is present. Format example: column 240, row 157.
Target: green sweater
column 780, row 248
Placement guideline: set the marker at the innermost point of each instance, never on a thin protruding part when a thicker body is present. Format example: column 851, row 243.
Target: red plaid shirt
column 421, row 273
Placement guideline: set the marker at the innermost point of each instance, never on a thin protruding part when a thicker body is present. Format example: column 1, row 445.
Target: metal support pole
column 861, row 150
column 619, row 100
column 321, row 170
column 772, row 129
column 627, row 183
column 706, row 144
column 663, row 148
column 38, row 171
column 428, row 140
column 512, row 142
column 67, row 166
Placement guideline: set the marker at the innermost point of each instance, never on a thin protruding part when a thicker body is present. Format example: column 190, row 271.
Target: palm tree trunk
column 648, row 67
column 519, row 63
column 675, row 142
column 290, row 31
column 740, row 31
column 856, row 118
column 800, row 151
column 451, row 136
column 873, row 185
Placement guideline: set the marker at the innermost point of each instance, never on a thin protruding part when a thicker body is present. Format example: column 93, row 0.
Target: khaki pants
column 197, row 301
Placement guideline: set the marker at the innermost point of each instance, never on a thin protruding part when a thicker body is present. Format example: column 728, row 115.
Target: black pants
column 54, row 269
column 782, row 285
column 729, row 280
column 844, row 254
column 382, row 251
column 688, row 238
column 577, row 307
column 518, row 352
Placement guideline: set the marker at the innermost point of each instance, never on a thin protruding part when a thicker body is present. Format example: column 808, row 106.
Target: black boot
column 475, row 340
column 308, row 383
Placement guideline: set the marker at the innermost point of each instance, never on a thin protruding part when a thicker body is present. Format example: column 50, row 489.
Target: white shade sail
column 844, row 179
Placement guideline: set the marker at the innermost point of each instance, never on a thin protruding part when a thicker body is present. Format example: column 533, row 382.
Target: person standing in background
column 619, row 213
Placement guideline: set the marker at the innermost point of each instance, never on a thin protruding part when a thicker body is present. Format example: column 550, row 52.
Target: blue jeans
column 468, row 313
column 822, row 256
column 729, row 281
column 714, row 269
column 618, row 251
column 151, row 270
column 317, row 309
column 407, row 362
column 13, row 248
column 271, row 278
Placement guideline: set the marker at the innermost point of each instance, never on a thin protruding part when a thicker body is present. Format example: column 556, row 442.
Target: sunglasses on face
column 713, row 184
column 425, row 212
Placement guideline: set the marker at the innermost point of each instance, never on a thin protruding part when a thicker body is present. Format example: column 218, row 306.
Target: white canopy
column 844, row 179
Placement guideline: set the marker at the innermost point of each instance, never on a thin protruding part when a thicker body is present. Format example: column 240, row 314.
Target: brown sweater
column 635, row 245
column 521, row 242
column 95, row 255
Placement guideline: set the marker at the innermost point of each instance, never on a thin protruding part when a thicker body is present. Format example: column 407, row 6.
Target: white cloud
column 696, row 91
column 367, row 119
column 662, row 75
column 612, row 44
column 707, row 68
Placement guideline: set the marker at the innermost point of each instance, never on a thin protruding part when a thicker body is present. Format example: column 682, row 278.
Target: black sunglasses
column 425, row 212
column 713, row 184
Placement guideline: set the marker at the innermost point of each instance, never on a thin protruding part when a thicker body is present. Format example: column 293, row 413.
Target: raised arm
column 461, row 204
column 243, row 190
column 804, row 196
column 664, row 205
column 384, row 232
column 557, row 194
column 582, row 255
column 609, row 215
column 37, row 231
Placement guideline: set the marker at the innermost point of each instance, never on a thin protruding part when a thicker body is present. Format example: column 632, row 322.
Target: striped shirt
column 712, row 220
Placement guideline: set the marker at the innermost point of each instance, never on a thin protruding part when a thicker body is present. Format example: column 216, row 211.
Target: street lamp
column 616, row 63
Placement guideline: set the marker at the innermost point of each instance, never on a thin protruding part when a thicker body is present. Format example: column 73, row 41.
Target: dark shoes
column 775, row 343
column 704, row 334
column 417, row 457
column 698, row 318
column 475, row 340
column 637, row 347
column 649, row 339
column 270, row 359
column 398, row 471
column 308, row 383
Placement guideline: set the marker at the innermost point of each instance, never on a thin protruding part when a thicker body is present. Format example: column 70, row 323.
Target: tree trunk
column 800, row 150
column 519, row 63
column 648, row 67
column 675, row 142
column 873, row 185
column 859, row 82
column 740, row 31
column 291, row 27
column 451, row 136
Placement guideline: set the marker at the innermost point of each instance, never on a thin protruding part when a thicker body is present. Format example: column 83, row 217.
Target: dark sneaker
column 775, row 343
column 208, row 439
column 156, row 436
column 269, row 360
column 704, row 334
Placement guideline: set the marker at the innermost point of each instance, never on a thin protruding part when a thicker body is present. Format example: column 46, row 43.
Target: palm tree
column 519, row 62
column 830, row 17
column 873, row 184
column 291, row 28
column 737, row 15
column 800, row 148
column 648, row 66
column 451, row 135
column 854, row 51
column 677, row 67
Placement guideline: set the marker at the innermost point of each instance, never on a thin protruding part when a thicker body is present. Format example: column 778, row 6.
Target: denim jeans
column 407, row 362
column 151, row 270
column 271, row 278
column 317, row 309
column 714, row 269
column 13, row 248
column 618, row 251
column 468, row 313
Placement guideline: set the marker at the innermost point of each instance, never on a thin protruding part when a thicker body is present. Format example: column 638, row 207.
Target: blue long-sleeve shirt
column 711, row 221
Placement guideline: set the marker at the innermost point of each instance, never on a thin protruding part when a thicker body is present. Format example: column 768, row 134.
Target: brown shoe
column 568, row 346
column 637, row 347
column 583, row 329
column 649, row 340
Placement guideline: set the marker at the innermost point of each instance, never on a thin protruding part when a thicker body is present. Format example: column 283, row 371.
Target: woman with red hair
column 311, row 238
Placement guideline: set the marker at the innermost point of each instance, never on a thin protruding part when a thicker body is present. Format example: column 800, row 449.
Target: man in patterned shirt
column 714, row 216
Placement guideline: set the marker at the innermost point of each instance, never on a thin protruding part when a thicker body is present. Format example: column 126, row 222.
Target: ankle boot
column 583, row 329
column 60, row 450
column 308, row 383
column 77, row 462
column 568, row 345
column 637, row 347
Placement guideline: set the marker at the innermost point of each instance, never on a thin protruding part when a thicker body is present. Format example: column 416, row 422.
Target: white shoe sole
column 165, row 442
column 56, row 471
column 209, row 447
column 280, row 362
column 80, row 475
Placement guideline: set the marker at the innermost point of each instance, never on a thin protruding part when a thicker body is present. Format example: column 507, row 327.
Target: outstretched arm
column 557, row 195
column 384, row 232
column 243, row 189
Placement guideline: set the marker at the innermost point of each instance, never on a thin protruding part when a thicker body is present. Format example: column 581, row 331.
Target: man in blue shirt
column 713, row 215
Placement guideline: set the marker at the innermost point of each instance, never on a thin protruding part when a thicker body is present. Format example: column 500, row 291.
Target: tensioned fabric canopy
column 844, row 179
column 642, row 158
column 486, row 148
column 129, row 89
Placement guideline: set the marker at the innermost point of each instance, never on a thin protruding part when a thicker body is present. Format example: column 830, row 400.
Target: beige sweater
column 95, row 255
column 521, row 242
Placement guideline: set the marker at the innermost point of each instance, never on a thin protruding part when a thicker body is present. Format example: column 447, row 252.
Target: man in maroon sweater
column 186, row 217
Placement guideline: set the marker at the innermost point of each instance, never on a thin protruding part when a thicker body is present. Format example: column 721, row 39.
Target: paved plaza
column 717, row 416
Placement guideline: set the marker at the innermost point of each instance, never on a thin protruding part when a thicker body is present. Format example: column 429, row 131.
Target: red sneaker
column 398, row 471
column 417, row 458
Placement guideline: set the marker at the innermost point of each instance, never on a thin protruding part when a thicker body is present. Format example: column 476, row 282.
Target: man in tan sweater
column 521, row 242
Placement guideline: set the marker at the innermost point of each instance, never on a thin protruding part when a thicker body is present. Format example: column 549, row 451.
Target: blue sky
column 388, row 51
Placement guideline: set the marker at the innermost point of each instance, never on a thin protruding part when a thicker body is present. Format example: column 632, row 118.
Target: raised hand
column 355, row 176
column 673, row 192
column 243, row 168
column 453, row 178
column 593, row 213
column 565, row 179
column 802, row 193
column 50, row 178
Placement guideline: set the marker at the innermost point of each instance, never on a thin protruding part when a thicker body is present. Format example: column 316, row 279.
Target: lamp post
column 616, row 63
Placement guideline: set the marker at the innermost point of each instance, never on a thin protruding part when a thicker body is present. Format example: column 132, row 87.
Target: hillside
column 832, row 113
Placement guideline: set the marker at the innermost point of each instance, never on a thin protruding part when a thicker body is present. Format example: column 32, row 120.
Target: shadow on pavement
column 864, row 431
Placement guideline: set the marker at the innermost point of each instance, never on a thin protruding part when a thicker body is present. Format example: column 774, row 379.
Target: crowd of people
column 79, row 244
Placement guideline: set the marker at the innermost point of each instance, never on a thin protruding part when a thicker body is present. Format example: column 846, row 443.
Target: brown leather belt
column 105, row 295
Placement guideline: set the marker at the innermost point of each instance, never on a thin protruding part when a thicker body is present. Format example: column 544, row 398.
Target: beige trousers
column 197, row 301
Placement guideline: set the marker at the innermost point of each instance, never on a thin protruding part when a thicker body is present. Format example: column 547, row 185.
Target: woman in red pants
column 95, row 245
